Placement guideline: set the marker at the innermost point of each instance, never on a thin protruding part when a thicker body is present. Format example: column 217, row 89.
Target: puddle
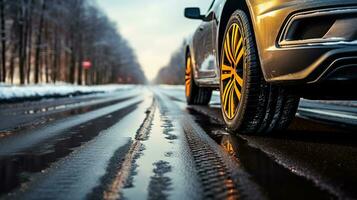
column 278, row 181
column 15, row 170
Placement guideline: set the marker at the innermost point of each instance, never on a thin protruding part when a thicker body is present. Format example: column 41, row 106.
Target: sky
column 154, row 28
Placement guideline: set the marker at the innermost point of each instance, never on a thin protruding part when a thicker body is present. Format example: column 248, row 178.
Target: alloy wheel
column 232, row 63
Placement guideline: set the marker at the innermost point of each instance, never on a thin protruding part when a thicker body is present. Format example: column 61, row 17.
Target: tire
column 195, row 95
column 250, row 105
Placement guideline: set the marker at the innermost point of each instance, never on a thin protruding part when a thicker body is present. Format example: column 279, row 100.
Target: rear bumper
column 306, row 42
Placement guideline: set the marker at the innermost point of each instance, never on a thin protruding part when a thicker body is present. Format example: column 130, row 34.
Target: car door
column 204, row 46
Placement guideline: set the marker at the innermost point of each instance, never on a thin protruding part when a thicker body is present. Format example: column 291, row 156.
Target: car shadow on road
column 301, row 129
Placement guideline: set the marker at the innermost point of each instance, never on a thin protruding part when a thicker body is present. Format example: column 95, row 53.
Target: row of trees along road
column 174, row 72
column 48, row 40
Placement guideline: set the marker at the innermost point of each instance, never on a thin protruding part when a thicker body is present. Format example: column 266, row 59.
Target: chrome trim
column 282, row 42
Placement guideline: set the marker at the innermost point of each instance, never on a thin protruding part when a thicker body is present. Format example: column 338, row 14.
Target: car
column 264, row 55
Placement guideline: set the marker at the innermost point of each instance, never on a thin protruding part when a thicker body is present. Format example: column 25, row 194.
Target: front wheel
column 250, row 105
column 195, row 95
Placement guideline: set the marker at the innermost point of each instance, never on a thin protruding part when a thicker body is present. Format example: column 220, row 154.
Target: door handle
column 201, row 28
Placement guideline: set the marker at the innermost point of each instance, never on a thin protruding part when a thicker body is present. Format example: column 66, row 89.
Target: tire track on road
column 161, row 166
column 220, row 176
column 17, row 117
column 37, row 159
column 123, row 174
column 31, row 122
column 27, row 139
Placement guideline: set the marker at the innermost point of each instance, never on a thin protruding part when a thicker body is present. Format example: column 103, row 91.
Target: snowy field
column 11, row 92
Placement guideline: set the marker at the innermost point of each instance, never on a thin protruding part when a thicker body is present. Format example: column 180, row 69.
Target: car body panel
column 203, row 42
column 268, row 19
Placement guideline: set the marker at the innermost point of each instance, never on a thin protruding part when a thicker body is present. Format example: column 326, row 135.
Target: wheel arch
column 229, row 7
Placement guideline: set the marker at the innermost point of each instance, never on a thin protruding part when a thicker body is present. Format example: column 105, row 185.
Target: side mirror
column 193, row 13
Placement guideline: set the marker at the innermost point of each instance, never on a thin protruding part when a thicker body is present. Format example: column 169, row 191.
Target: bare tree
column 39, row 42
column 174, row 72
column 29, row 40
column 47, row 41
column 3, row 41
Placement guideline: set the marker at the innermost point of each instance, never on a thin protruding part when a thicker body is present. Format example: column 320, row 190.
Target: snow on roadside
column 10, row 92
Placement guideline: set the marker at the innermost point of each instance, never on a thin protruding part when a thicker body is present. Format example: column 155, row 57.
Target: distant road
column 146, row 143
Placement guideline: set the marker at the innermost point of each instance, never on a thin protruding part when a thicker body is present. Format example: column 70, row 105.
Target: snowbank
column 10, row 92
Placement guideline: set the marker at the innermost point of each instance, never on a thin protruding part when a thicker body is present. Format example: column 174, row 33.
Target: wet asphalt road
column 146, row 143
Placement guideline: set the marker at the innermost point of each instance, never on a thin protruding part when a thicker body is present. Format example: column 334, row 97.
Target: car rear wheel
column 195, row 95
column 250, row 105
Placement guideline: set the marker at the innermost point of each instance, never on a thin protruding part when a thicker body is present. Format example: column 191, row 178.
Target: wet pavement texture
column 146, row 143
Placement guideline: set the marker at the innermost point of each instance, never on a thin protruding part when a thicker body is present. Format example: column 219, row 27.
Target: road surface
column 146, row 143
